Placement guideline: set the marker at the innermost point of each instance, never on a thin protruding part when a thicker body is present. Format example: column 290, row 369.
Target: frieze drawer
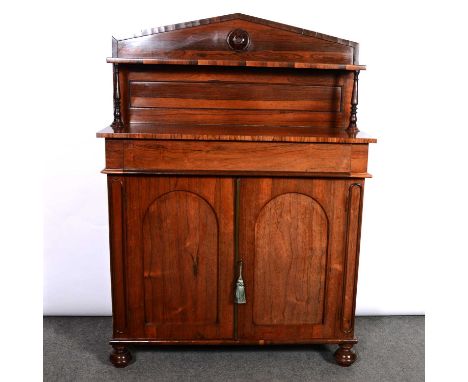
column 147, row 155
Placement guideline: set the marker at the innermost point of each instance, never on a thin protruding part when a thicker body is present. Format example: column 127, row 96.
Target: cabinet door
column 180, row 257
column 291, row 241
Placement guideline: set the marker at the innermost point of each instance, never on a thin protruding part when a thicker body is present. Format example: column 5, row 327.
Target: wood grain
column 241, row 133
column 114, row 153
column 191, row 95
column 240, row 156
column 351, row 256
column 331, row 195
column 224, row 159
column 213, row 74
column 238, row 16
column 207, row 40
column 359, row 155
column 117, row 219
column 236, row 97
column 234, row 63
column 291, row 240
column 180, row 257
column 180, row 249
column 241, row 117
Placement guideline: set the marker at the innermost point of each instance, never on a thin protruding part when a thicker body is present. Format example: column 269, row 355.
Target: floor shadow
column 324, row 351
column 92, row 334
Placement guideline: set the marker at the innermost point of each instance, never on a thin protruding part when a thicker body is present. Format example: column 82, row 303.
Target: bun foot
column 120, row 356
column 344, row 356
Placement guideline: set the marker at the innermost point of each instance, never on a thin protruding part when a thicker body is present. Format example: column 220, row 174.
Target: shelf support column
column 352, row 128
column 117, row 124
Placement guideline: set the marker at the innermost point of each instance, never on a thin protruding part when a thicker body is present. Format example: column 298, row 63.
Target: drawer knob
column 238, row 39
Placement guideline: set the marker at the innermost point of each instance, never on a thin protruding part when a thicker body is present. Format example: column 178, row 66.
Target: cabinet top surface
column 237, row 133
column 236, row 40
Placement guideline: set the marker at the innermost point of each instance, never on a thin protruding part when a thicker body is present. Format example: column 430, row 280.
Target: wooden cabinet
column 234, row 165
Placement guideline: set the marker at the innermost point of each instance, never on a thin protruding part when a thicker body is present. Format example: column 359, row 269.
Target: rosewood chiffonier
column 235, row 179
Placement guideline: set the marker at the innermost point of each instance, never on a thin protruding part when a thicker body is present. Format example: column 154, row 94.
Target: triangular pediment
column 236, row 36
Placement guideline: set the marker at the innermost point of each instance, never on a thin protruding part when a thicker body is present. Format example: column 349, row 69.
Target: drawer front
column 236, row 156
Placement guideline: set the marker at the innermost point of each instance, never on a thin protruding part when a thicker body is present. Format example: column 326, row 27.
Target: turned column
column 117, row 124
column 352, row 128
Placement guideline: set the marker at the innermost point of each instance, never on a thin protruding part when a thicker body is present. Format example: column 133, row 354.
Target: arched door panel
column 180, row 260
column 291, row 240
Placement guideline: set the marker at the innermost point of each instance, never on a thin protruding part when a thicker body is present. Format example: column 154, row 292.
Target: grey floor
column 389, row 349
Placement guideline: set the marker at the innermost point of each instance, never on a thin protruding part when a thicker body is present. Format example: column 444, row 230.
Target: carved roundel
column 238, row 39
